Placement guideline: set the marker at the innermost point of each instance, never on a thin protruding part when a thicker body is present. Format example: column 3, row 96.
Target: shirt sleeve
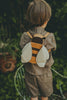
column 50, row 42
column 24, row 40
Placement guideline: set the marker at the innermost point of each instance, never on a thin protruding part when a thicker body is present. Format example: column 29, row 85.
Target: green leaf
column 14, row 19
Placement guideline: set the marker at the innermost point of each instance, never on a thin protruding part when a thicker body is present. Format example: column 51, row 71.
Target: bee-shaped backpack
column 35, row 52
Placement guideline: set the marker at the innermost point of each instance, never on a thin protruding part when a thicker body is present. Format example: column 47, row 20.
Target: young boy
column 39, row 79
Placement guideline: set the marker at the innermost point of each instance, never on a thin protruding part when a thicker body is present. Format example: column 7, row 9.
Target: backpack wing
column 26, row 53
column 42, row 57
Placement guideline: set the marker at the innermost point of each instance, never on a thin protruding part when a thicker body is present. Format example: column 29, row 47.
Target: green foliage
column 13, row 23
column 7, row 89
column 61, row 66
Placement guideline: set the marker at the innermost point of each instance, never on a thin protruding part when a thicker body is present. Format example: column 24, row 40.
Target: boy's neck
column 43, row 26
column 39, row 27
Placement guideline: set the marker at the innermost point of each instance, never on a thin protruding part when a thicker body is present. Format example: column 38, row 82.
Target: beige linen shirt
column 49, row 42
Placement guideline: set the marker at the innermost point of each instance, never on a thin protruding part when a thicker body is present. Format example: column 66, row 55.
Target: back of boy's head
column 38, row 12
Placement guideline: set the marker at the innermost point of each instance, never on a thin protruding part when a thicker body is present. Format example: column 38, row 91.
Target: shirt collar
column 38, row 30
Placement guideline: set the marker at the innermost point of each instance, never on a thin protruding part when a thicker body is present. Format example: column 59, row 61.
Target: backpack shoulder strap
column 46, row 35
column 41, row 36
column 38, row 35
column 29, row 35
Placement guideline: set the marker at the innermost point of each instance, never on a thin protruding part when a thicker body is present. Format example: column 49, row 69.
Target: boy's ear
column 46, row 21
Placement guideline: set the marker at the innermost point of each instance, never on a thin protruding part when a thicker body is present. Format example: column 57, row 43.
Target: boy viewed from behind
column 38, row 80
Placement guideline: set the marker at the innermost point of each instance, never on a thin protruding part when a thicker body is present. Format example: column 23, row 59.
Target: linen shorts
column 39, row 84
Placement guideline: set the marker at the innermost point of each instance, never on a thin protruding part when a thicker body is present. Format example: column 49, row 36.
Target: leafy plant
column 12, row 24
